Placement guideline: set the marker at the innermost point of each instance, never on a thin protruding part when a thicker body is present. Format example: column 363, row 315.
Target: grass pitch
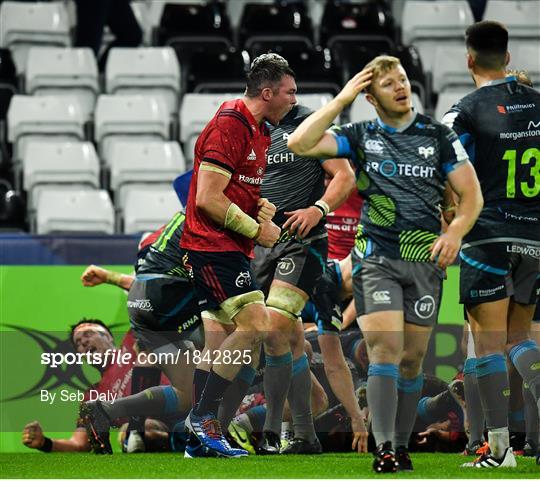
column 169, row 465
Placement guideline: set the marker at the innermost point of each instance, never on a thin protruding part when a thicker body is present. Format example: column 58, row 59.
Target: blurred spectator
column 94, row 15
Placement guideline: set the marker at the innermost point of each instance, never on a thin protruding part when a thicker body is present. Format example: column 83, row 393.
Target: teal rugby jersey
column 401, row 173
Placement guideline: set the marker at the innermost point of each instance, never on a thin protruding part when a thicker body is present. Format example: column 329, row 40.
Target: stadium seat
column 147, row 207
column 526, row 56
column 265, row 27
column 450, row 68
column 195, row 112
column 8, row 81
column 521, row 17
column 361, row 110
column 132, row 117
column 144, row 71
column 74, row 211
column 60, row 163
column 216, row 71
column 45, row 117
column 12, row 208
column 133, row 162
column 23, row 25
column 194, row 28
column 427, row 24
column 64, row 71
column 314, row 68
column 368, row 23
column 448, row 98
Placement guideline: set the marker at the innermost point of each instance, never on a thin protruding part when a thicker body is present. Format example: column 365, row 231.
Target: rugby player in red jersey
column 221, row 227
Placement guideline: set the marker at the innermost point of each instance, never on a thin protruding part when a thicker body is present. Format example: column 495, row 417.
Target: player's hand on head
column 94, row 276
column 268, row 234
column 301, row 221
column 32, row 435
column 360, row 436
column 267, row 210
column 445, row 249
column 355, row 85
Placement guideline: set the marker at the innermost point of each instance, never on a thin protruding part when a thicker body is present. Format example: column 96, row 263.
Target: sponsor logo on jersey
column 533, row 125
column 531, row 251
column 426, row 151
column 286, row 266
column 190, row 322
column 374, row 146
column 486, row 292
column 512, row 109
column 285, row 136
column 424, row 307
column 260, row 171
column 142, row 304
column 520, row 135
column 252, row 155
column 250, row 180
column 243, row 279
column 283, row 158
column 390, row 168
column 381, row 297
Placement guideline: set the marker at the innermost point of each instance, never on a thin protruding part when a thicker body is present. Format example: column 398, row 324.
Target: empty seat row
column 79, row 209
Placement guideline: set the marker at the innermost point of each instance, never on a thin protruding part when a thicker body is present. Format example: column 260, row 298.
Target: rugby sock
column 525, row 356
column 531, row 415
column 382, row 400
column 409, row 392
column 199, row 381
column 277, row 379
column 516, row 421
column 299, row 398
column 492, row 379
column 154, row 401
column 142, row 378
column 473, row 404
column 212, row 394
column 234, row 394
column 257, row 416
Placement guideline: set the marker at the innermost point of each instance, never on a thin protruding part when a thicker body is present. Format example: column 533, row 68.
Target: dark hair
column 488, row 42
column 88, row 321
column 266, row 70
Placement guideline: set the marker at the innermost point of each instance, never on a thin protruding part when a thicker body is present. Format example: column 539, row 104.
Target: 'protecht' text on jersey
column 499, row 126
column 234, row 142
column 401, row 174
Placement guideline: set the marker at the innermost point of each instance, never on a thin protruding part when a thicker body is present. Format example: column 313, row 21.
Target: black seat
column 315, row 69
column 351, row 57
column 12, row 208
column 8, row 81
column 216, row 71
column 194, row 28
column 370, row 23
column 265, row 27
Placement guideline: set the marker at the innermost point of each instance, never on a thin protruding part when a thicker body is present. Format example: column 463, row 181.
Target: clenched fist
column 267, row 210
column 32, row 435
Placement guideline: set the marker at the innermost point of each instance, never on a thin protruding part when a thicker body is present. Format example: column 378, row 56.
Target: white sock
column 499, row 440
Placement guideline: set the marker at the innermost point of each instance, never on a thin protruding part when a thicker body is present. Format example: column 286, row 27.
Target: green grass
column 64, row 465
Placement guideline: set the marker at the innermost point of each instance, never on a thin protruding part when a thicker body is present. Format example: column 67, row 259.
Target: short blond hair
column 521, row 76
column 381, row 65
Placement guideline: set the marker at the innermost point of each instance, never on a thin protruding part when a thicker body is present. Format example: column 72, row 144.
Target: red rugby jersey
column 341, row 226
column 235, row 142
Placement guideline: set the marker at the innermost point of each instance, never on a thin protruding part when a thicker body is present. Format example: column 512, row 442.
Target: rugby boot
column 385, row 459
column 403, row 459
column 301, row 446
column 472, row 448
column 207, row 430
column 270, row 444
column 97, row 425
column 487, row 460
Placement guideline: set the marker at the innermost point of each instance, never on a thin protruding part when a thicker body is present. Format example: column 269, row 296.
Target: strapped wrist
column 323, row 206
column 113, row 278
column 238, row 221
